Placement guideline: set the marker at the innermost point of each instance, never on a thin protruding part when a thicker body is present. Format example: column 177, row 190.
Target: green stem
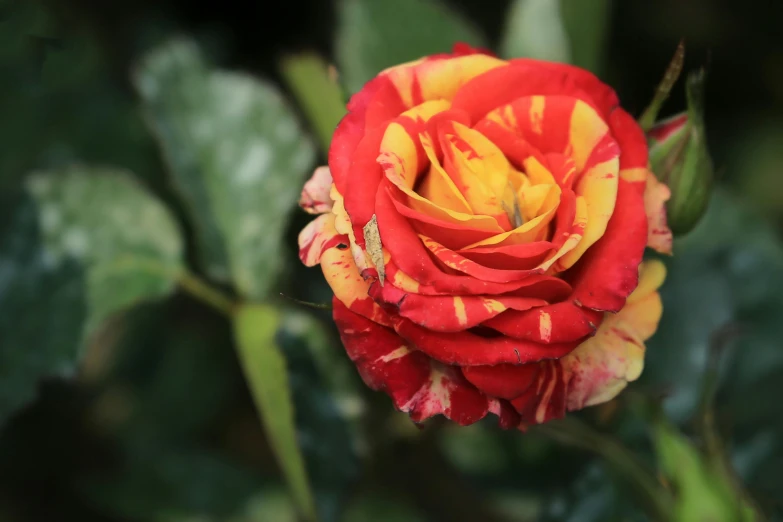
column 647, row 119
column 572, row 432
column 713, row 446
column 205, row 293
column 186, row 280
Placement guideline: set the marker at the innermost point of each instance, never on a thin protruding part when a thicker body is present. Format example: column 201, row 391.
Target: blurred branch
column 706, row 415
column 573, row 432
column 417, row 468
column 205, row 293
column 186, row 280
column 713, row 447
column 317, row 306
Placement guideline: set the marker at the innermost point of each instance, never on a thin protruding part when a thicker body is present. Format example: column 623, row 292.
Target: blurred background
column 148, row 418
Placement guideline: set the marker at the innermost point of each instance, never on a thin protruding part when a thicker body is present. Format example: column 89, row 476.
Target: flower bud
column 680, row 159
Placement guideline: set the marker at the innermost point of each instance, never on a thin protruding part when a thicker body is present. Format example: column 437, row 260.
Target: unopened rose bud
column 680, row 159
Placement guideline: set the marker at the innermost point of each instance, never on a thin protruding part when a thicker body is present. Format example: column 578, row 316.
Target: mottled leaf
column 237, row 154
column 84, row 244
column 534, row 29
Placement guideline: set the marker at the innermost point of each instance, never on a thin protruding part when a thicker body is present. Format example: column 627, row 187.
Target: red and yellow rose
column 482, row 226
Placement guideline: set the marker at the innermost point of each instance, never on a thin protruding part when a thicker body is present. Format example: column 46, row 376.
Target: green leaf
column 83, row 244
column 702, row 495
column 329, row 408
column 534, row 29
column 587, row 26
column 237, row 154
column 319, row 94
column 103, row 219
column 265, row 371
column 373, row 35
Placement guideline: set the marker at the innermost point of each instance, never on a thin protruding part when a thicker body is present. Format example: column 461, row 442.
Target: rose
column 483, row 225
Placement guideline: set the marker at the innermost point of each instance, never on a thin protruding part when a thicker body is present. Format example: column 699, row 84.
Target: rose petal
column 315, row 194
column 603, row 365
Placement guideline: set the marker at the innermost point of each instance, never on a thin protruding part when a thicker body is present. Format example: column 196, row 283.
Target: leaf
column 587, row 27
column 373, row 35
column 317, row 92
column 237, row 154
column 329, row 409
column 701, row 493
column 83, row 244
column 267, row 376
column 534, row 29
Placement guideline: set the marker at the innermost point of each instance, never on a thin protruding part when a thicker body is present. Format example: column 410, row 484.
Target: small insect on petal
column 372, row 238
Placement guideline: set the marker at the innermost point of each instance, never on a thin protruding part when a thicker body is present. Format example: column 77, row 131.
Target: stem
column 205, row 293
column 647, row 119
column 572, row 432
column 317, row 306
column 714, row 448
column 188, row 281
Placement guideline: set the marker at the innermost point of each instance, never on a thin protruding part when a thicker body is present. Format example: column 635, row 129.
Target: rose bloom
column 482, row 227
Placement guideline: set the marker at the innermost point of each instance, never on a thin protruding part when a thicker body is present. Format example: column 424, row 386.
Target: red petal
column 467, row 349
column 609, row 270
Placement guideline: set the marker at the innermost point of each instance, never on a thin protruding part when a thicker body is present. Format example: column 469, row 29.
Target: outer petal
column 318, row 236
column 315, row 194
column 602, row 366
column 416, row 384
column 526, row 77
column 348, row 285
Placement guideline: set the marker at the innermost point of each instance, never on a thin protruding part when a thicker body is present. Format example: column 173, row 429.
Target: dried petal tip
column 315, row 194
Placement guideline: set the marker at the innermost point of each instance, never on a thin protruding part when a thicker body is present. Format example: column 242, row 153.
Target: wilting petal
column 315, row 194
column 659, row 235
column 603, row 365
